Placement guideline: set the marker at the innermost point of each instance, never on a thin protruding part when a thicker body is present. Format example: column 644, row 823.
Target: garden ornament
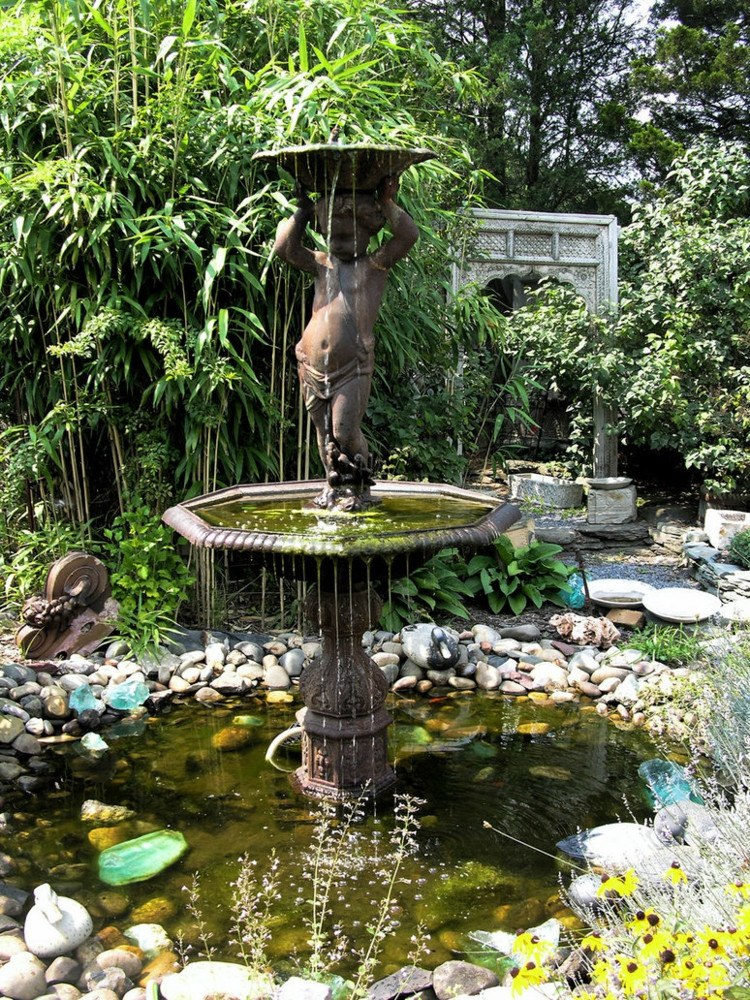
column 75, row 613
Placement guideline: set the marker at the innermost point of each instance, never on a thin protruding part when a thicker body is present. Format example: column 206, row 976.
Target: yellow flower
column 632, row 973
column 531, row 947
column 717, row 977
column 644, row 920
column 621, row 885
column 594, row 942
column 710, row 944
column 653, row 943
column 601, row 970
column 685, row 972
column 529, row 974
column 675, row 874
column 741, row 889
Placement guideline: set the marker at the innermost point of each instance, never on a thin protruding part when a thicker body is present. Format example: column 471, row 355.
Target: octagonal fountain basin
column 278, row 524
column 323, row 167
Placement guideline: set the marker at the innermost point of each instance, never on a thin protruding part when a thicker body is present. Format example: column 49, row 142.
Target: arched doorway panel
column 512, row 249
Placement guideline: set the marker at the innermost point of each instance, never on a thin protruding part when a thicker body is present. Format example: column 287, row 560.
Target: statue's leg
column 347, row 410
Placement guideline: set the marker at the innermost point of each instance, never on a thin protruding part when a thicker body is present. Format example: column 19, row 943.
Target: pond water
column 535, row 773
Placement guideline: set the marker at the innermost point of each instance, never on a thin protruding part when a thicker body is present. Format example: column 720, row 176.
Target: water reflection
column 467, row 756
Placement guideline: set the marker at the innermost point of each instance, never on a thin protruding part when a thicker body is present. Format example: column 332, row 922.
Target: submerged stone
column 94, row 743
column 142, row 858
column 247, row 720
column 232, row 738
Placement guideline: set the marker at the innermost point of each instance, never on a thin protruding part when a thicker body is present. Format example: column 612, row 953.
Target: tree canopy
column 695, row 80
column 549, row 122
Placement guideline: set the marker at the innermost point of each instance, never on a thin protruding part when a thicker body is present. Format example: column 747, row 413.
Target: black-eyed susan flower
column 710, row 944
column 529, row 974
column 532, row 947
column 620, row 885
column 632, row 973
column 594, row 942
column 741, row 889
column 675, row 874
column 644, row 920
column 652, row 943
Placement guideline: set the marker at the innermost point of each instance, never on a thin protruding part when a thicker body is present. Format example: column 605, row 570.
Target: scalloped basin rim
column 321, row 167
column 279, row 519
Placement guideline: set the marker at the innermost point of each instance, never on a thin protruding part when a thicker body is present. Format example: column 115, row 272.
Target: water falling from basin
column 348, row 532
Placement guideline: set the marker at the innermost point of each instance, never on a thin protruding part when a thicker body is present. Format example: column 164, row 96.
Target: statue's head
column 353, row 217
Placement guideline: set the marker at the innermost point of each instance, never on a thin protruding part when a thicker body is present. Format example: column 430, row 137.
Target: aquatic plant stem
column 488, row 826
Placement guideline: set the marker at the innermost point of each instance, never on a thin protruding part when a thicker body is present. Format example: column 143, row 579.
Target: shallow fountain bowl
column 280, row 528
column 346, row 167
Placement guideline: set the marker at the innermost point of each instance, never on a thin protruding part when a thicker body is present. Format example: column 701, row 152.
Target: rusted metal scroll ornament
column 75, row 613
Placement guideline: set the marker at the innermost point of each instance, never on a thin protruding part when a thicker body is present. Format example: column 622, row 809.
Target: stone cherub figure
column 335, row 353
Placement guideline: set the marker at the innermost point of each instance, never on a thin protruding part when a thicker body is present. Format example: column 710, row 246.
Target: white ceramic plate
column 681, row 604
column 613, row 483
column 736, row 611
column 618, row 593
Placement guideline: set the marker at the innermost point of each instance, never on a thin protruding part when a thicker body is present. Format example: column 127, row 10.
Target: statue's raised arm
column 403, row 227
column 289, row 235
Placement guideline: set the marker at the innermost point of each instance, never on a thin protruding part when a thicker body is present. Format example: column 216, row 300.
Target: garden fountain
column 345, row 534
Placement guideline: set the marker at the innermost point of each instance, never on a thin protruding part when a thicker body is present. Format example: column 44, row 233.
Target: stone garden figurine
column 335, row 354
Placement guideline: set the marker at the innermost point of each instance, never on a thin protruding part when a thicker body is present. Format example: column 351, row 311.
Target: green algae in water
column 391, row 515
column 229, row 806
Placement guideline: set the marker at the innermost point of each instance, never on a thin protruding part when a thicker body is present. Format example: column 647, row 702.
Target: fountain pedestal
column 344, row 722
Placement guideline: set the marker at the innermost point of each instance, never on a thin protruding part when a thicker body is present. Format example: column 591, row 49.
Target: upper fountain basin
column 343, row 166
column 277, row 520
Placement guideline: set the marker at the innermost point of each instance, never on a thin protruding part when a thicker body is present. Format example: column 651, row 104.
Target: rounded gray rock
column 455, row 978
column 22, row 977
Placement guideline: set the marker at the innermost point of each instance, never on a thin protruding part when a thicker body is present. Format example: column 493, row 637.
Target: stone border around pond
column 36, row 701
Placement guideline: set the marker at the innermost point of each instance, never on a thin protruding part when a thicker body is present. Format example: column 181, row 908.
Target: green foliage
column 149, row 578
column 439, row 585
column 550, row 119
column 739, row 547
column 143, row 332
column 501, row 575
column 695, row 81
column 570, row 353
column 510, row 577
column 471, row 392
column 24, row 563
column 667, row 644
column 675, row 365
column 685, row 316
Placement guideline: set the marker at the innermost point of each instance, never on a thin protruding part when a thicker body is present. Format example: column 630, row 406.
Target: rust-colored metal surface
column 278, row 525
column 75, row 613
column 346, row 166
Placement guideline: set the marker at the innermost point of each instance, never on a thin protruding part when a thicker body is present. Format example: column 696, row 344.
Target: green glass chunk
column 142, row 858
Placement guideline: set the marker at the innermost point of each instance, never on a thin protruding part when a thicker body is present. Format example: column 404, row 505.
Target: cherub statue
column 335, row 354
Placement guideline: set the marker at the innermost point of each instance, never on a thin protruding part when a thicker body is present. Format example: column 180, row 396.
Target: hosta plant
column 513, row 578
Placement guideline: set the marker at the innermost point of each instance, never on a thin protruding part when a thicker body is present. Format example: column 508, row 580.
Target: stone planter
column 552, row 492
column 722, row 525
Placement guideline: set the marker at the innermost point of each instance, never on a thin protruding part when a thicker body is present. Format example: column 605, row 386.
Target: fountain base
column 344, row 759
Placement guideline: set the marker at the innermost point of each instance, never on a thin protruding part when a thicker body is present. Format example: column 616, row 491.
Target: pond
column 535, row 773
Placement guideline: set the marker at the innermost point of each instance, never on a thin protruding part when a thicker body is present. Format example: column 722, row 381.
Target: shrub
column 739, row 547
